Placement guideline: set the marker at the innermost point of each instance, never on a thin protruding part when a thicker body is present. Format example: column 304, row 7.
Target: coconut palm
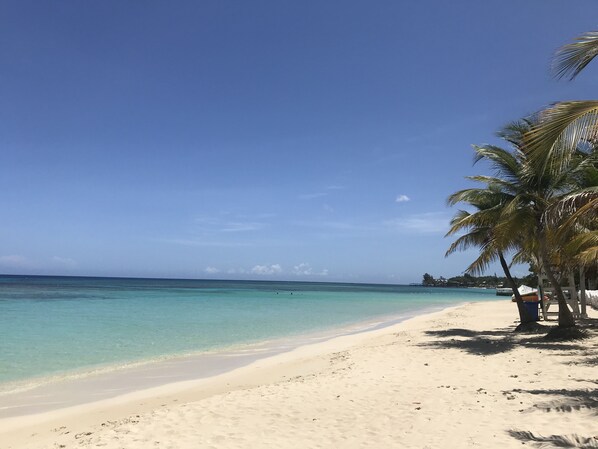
column 479, row 227
column 545, row 182
column 531, row 187
column 549, row 148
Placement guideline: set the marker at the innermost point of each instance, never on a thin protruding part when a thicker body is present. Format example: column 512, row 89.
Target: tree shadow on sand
column 503, row 340
column 567, row 400
column 572, row 440
column 474, row 342
column 493, row 342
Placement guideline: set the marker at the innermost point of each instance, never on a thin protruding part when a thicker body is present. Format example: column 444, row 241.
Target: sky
column 273, row 140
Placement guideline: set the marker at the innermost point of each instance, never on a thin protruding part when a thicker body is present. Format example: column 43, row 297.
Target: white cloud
column 212, row 270
column 427, row 223
column 266, row 269
column 303, row 269
column 402, row 199
column 14, row 261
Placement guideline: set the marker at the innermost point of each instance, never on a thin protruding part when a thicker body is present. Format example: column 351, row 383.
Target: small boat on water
column 503, row 291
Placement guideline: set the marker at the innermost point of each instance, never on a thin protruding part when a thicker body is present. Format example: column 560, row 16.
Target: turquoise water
column 57, row 325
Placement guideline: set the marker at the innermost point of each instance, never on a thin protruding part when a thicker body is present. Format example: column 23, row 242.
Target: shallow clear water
column 53, row 325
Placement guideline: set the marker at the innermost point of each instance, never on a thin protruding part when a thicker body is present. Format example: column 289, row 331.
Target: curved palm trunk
column 566, row 318
column 524, row 315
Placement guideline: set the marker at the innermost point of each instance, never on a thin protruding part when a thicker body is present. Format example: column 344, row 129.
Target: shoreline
column 87, row 386
column 452, row 378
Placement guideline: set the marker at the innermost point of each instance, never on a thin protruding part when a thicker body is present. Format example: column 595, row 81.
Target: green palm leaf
column 572, row 58
column 561, row 130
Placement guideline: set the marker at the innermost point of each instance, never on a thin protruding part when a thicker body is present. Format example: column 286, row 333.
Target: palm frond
column 572, row 58
column 562, row 128
column 494, row 183
column 470, row 196
column 467, row 241
column 524, row 256
column 504, row 162
column 578, row 205
column 514, row 132
column 588, row 257
column 480, row 265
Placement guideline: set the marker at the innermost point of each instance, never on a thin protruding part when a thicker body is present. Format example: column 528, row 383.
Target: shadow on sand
column 488, row 343
column 571, row 440
column 503, row 340
column 567, row 400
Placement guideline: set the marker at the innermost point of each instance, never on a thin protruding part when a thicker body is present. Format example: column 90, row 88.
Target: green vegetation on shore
column 467, row 280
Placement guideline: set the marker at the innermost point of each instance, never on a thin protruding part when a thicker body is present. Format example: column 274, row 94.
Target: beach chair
column 550, row 301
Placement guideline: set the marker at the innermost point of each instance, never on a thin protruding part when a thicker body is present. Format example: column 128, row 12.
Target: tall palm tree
column 480, row 233
column 531, row 186
column 544, row 182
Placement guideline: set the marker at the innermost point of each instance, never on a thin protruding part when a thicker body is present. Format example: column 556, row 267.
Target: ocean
column 60, row 326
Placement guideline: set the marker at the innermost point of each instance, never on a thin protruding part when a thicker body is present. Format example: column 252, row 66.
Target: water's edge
column 56, row 392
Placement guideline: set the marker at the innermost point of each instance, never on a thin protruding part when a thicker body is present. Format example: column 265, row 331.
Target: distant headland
column 468, row 280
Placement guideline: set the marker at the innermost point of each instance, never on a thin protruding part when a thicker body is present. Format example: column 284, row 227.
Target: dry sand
column 452, row 379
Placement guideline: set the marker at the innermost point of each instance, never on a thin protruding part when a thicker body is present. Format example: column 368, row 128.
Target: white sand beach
column 451, row 379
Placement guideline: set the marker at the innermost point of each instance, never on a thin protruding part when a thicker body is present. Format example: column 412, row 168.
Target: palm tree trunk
column 524, row 315
column 566, row 318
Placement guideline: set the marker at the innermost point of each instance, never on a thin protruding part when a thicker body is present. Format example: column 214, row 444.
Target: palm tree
column 546, row 182
column 480, row 232
column 531, row 187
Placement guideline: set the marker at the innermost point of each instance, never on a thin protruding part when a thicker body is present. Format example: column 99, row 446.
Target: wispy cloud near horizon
column 266, row 269
column 305, row 269
column 426, row 223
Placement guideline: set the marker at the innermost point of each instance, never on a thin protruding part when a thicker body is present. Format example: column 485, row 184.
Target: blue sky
column 262, row 139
